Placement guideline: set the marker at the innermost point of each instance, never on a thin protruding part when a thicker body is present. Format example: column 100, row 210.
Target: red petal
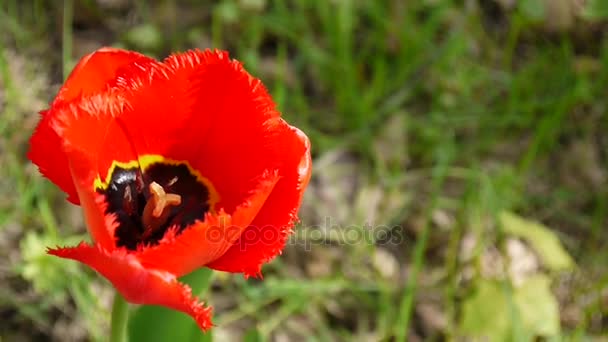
column 94, row 71
column 205, row 241
column 241, row 140
column 90, row 126
column 161, row 103
column 46, row 152
column 91, row 142
column 138, row 284
column 90, row 76
column 266, row 236
column 206, row 109
column 100, row 226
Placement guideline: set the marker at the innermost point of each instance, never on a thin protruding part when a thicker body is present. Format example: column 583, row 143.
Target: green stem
column 120, row 317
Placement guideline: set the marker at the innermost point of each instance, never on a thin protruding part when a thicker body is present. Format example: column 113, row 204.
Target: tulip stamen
column 148, row 200
column 158, row 208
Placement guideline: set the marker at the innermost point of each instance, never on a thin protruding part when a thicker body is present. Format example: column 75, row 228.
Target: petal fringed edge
column 85, row 132
column 95, row 71
column 139, row 285
column 205, row 241
column 92, row 126
column 90, row 76
column 266, row 236
column 239, row 143
column 47, row 153
column 219, row 119
column 209, row 94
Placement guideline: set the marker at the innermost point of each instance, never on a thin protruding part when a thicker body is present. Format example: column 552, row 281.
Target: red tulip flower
column 178, row 165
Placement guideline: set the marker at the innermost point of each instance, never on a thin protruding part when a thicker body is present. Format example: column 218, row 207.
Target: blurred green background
column 460, row 182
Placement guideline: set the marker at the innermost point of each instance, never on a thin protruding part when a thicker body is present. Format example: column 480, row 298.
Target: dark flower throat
column 148, row 203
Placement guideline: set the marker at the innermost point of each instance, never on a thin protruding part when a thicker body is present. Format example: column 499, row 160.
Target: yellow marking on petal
column 145, row 161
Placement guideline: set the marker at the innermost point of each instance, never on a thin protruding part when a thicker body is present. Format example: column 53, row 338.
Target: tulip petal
column 100, row 226
column 222, row 120
column 243, row 138
column 205, row 241
column 91, row 142
column 90, row 76
column 95, row 71
column 199, row 109
column 267, row 234
column 46, row 152
column 137, row 284
column 162, row 103
column 91, row 126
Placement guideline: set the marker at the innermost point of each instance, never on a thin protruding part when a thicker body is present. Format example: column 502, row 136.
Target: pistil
column 158, row 208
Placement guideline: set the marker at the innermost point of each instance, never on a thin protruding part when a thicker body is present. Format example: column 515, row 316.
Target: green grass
column 430, row 117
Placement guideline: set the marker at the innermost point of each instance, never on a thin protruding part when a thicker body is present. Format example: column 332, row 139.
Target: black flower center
column 149, row 201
